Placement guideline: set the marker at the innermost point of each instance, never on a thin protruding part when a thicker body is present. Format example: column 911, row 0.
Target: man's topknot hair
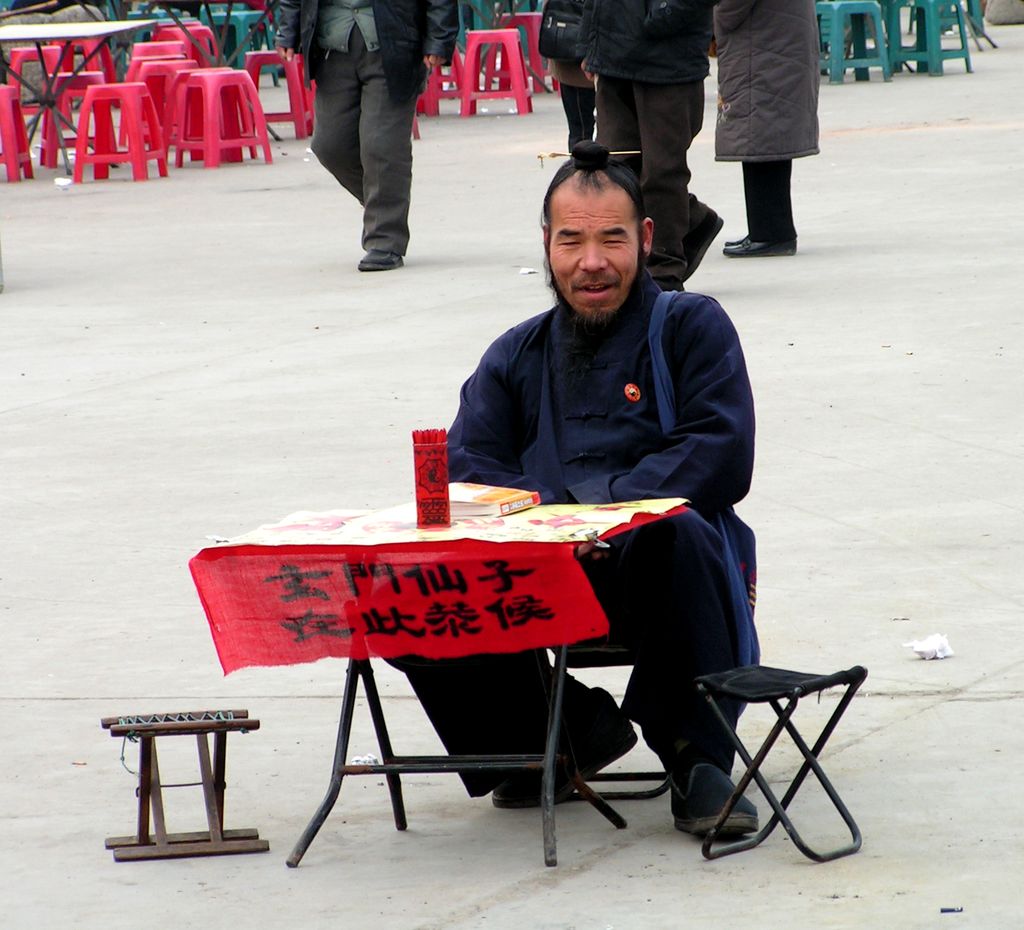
column 593, row 167
column 589, row 156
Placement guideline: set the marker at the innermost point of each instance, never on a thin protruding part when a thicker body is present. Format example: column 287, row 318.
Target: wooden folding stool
column 163, row 845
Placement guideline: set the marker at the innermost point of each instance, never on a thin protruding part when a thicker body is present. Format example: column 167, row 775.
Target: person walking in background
column 560, row 42
column 767, row 110
column 578, row 99
column 369, row 59
column 651, row 60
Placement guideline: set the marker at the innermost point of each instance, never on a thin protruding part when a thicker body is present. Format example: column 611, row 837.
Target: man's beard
column 584, row 340
column 583, row 336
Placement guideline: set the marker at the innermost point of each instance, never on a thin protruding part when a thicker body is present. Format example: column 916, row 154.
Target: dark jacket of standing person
column 407, row 30
column 660, row 42
column 369, row 59
column 651, row 59
column 767, row 80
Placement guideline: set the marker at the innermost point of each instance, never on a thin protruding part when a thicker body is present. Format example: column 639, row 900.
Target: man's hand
column 432, row 61
column 591, row 549
column 587, row 73
column 285, row 54
column 588, row 552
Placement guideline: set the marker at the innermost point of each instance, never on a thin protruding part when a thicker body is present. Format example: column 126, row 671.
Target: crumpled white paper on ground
column 935, row 646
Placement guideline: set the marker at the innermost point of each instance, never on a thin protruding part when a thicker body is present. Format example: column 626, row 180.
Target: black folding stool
column 760, row 684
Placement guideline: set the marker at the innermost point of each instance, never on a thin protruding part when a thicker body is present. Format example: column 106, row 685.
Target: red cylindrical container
column 430, row 459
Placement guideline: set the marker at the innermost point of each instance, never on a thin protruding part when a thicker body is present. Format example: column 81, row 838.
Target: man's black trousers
column 663, row 587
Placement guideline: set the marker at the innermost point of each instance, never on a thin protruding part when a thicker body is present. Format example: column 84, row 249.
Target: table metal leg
column 47, row 96
column 547, row 797
column 340, row 752
column 392, row 766
column 384, row 742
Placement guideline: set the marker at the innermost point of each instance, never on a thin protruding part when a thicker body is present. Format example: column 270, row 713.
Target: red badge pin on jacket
column 632, row 393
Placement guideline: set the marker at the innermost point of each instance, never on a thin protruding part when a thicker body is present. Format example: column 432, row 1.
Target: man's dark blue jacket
column 605, row 444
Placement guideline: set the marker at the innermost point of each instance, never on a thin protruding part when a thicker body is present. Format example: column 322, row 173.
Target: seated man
column 567, row 404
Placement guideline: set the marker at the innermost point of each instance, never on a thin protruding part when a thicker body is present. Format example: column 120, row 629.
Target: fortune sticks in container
column 430, row 456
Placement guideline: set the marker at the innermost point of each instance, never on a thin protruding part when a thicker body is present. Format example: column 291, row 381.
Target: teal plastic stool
column 240, row 31
column 834, row 16
column 144, row 35
column 928, row 18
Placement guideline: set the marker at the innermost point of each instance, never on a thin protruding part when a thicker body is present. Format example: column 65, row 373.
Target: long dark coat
column 767, row 80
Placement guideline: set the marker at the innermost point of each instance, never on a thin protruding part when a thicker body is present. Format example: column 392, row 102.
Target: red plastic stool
column 508, row 41
column 429, row 102
column 145, row 142
column 159, row 75
column 97, row 55
column 17, row 58
column 218, row 110
column 199, row 41
column 171, row 115
column 530, row 24
column 300, row 103
column 68, row 87
column 146, row 51
column 13, row 138
column 441, row 85
column 496, row 68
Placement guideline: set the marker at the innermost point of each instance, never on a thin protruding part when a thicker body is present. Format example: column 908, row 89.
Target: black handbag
column 560, row 29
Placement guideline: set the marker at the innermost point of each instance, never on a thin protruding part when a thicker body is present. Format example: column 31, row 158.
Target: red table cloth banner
column 282, row 605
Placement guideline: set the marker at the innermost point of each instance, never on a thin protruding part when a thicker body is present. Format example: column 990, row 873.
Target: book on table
column 485, row 500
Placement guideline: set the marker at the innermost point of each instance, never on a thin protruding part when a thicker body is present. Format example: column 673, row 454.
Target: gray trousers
column 364, row 139
column 659, row 120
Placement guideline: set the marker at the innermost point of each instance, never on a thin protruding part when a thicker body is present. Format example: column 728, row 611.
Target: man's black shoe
column 698, row 796
column 748, row 248
column 610, row 736
column 376, row 260
column 698, row 240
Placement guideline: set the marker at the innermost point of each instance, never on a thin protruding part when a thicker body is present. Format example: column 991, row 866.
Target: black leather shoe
column 748, row 248
column 608, row 736
column 698, row 240
column 698, row 795
column 376, row 260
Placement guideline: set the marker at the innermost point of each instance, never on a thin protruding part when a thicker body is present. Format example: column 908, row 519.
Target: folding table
column 203, row 10
column 358, row 586
column 40, row 34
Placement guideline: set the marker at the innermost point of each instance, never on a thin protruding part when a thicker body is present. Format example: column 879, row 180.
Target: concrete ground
column 197, row 355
